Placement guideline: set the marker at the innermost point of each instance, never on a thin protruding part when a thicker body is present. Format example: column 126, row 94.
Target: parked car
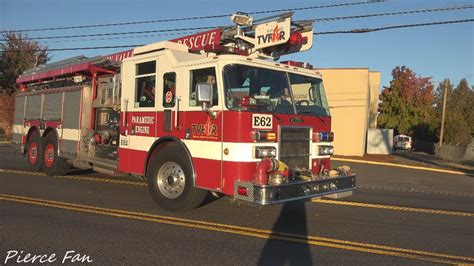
column 402, row 142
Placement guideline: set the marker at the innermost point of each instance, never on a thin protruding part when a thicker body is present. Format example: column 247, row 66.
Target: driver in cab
column 147, row 94
column 211, row 79
column 281, row 95
column 282, row 99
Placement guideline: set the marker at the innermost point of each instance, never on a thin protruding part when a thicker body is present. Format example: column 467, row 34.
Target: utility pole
column 442, row 115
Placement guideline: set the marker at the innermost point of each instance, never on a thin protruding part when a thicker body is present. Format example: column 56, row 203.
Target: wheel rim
column 171, row 180
column 33, row 153
column 49, row 155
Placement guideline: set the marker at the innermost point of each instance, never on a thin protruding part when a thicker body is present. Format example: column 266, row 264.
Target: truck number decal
column 123, row 141
column 262, row 121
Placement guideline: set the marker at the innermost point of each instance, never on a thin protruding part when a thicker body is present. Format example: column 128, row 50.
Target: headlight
column 263, row 151
column 326, row 150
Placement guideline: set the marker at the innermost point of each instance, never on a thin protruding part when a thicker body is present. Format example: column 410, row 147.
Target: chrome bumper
column 298, row 190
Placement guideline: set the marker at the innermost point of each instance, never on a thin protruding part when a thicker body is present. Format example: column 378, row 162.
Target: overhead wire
column 444, row 9
column 180, row 33
column 119, row 33
column 417, row 11
column 200, row 17
column 367, row 30
column 314, row 20
column 353, row 31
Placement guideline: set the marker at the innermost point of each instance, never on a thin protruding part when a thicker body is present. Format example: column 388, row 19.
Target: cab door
column 203, row 130
column 139, row 117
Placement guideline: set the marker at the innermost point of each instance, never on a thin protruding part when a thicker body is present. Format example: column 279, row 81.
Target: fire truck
column 213, row 112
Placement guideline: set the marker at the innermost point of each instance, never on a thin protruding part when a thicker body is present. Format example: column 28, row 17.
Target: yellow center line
column 254, row 232
column 400, row 166
column 75, row 177
column 338, row 202
column 393, row 208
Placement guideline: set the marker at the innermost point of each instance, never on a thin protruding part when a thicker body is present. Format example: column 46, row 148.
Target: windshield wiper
column 278, row 118
column 310, row 112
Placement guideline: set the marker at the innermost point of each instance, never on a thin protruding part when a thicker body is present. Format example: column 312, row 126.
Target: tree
column 459, row 114
column 464, row 101
column 18, row 54
column 407, row 104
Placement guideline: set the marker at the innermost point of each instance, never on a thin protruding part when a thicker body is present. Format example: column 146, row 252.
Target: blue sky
column 445, row 51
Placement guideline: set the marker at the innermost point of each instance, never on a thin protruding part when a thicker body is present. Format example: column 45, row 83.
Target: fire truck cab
column 206, row 112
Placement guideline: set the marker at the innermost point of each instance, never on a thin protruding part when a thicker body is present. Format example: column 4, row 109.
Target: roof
column 160, row 46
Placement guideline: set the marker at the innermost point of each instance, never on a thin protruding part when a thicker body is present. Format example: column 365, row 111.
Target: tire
column 52, row 163
column 34, row 151
column 170, row 180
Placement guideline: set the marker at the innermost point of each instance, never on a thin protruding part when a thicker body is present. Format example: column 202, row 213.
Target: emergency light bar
column 298, row 64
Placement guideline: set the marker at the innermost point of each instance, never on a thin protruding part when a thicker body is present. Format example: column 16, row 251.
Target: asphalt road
column 397, row 216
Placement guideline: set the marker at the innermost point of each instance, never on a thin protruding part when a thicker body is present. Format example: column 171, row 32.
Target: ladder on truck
column 266, row 38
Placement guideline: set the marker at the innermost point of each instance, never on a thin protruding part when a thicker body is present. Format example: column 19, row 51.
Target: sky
column 444, row 51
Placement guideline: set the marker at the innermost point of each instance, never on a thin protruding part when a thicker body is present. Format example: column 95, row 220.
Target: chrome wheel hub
column 171, row 180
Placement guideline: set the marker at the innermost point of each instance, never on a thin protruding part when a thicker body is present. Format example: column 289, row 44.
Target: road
column 396, row 216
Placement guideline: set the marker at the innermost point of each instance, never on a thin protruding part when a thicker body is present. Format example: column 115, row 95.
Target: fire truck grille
column 295, row 146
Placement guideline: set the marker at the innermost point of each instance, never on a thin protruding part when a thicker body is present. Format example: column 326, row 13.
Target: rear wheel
column 35, row 151
column 170, row 180
column 52, row 163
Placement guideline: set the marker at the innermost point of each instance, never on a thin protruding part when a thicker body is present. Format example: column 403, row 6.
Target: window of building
column 145, row 82
column 203, row 75
column 169, row 89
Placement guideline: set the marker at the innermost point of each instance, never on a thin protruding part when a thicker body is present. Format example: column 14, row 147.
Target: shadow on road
column 77, row 171
column 292, row 219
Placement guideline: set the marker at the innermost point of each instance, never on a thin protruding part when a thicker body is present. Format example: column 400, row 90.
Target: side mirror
column 204, row 97
column 311, row 93
column 204, row 93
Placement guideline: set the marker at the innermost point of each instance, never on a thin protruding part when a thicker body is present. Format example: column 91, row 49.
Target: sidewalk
column 413, row 159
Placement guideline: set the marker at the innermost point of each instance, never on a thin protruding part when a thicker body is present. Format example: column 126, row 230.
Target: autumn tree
column 407, row 104
column 17, row 54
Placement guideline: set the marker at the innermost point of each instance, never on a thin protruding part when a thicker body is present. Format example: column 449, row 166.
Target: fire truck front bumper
column 335, row 187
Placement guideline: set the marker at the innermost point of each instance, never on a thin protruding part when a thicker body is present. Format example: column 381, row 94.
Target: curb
column 401, row 166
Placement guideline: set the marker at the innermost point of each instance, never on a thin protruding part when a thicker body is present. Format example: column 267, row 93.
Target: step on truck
column 211, row 112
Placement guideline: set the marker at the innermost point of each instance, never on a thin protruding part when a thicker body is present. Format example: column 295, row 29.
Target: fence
column 379, row 141
column 458, row 154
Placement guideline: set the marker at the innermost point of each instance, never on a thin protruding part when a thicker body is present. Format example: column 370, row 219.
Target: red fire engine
column 206, row 112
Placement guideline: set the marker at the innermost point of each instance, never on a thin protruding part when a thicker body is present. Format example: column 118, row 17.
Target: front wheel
column 170, row 180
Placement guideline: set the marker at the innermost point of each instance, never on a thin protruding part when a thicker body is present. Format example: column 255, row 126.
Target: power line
column 394, row 27
column 204, row 28
column 75, row 48
column 118, row 33
column 122, row 37
column 200, row 17
column 314, row 20
column 358, row 31
column 319, row 7
column 394, row 13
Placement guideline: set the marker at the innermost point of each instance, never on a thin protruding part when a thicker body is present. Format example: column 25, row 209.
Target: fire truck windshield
column 255, row 89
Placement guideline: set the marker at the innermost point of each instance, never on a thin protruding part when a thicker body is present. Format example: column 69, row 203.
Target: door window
column 203, row 75
column 145, row 82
